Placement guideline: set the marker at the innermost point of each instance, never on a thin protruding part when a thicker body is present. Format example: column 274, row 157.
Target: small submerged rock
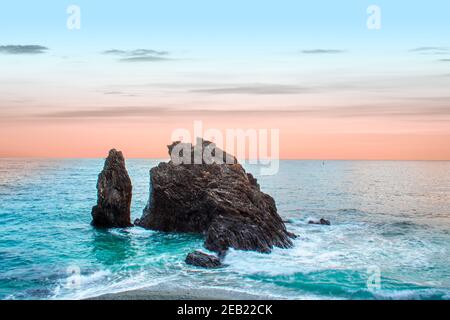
column 322, row 221
column 114, row 193
column 200, row 259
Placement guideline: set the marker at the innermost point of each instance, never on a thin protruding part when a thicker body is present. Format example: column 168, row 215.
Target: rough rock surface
column 113, row 194
column 221, row 201
column 200, row 259
column 322, row 221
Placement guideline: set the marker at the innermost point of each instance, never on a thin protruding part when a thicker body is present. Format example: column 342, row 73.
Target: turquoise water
column 392, row 217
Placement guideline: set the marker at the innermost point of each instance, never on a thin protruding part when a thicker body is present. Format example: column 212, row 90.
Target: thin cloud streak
column 361, row 111
column 136, row 52
column 23, row 49
column 105, row 112
column 256, row 89
column 430, row 50
column 144, row 59
column 322, row 51
column 138, row 55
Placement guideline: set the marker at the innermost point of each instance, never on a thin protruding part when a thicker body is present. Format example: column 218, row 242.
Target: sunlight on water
column 391, row 215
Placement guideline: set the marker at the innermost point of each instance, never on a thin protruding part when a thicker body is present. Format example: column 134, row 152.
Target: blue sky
column 226, row 27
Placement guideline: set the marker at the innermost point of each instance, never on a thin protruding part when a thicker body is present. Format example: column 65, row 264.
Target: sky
column 137, row 70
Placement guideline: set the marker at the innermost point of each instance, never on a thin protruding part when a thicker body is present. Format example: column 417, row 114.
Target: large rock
column 221, row 201
column 113, row 194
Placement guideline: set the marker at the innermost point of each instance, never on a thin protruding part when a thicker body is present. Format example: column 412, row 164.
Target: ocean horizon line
column 246, row 159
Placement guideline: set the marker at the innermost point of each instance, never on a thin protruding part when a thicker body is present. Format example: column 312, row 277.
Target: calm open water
column 391, row 217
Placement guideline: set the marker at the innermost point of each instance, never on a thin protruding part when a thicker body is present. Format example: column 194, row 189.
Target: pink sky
column 301, row 137
column 326, row 106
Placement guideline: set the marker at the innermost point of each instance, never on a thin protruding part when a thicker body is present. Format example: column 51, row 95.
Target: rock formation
column 113, row 194
column 200, row 259
column 219, row 200
column 322, row 221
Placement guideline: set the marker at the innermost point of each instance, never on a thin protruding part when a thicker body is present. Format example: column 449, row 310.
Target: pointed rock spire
column 114, row 193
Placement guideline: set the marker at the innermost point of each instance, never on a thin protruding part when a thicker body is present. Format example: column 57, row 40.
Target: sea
column 389, row 236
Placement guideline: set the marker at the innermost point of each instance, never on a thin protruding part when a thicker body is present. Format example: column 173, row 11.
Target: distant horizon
column 291, row 147
column 280, row 159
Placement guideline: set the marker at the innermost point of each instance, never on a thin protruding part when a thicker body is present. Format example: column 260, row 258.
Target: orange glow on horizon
column 300, row 138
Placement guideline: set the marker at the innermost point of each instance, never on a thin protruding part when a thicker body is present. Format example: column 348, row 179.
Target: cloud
column 152, row 111
column 23, row 49
column 367, row 111
column 120, row 93
column 390, row 111
column 107, row 112
column 256, row 89
column 138, row 55
column 113, row 92
column 322, row 51
column 430, row 50
column 144, row 59
column 137, row 52
column 444, row 60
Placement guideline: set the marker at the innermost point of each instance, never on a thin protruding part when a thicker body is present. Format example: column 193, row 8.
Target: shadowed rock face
column 113, row 194
column 221, row 201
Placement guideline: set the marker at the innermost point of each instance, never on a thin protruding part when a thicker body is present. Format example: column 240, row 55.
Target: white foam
column 102, row 282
